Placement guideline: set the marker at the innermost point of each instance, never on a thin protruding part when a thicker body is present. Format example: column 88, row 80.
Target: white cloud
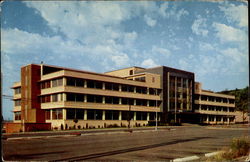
column 206, row 46
column 150, row 22
column 237, row 14
column 234, row 54
column 148, row 63
column 229, row 34
column 162, row 9
column 120, row 60
column 158, row 50
column 199, row 26
column 181, row 13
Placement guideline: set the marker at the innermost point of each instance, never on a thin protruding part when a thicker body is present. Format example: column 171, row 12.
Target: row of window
column 77, row 82
column 214, row 108
column 97, row 114
column 213, row 99
column 218, row 118
column 98, row 99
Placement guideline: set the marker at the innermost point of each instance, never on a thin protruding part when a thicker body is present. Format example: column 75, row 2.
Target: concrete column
column 148, row 116
column 134, row 89
column 64, row 81
column 147, row 90
column 50, row 114
column 134, row 116
column 120, row 101
column 103, row 86
column 103, row 114
column 85, row 115
column 64, row 97
column 103, row 99
column 85, row 98
column 147, row 102
column 85, row 84
column 120, row 115
column 228, row 121
column 64, row 112
column 120, row 87
column 199, row 107
column 134, row 101
column 207, row 118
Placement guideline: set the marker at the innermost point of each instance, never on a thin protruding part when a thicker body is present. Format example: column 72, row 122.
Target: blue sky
column 207, row 38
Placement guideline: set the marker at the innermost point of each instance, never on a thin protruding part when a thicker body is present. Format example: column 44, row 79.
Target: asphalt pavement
column 144, row 144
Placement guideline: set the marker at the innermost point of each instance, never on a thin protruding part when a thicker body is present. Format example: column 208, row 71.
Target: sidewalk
column 65, row 133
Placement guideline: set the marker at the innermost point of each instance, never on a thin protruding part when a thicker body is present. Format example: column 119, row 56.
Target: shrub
column 79, row 127
column 240, row 146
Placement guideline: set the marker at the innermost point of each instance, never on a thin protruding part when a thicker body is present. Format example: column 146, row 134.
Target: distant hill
column 241, row 98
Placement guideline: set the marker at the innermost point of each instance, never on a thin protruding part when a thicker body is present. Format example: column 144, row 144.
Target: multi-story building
column 135, row 96
column 214, row 108
column 67, row 97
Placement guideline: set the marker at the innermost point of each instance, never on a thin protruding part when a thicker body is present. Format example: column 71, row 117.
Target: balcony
column 212, row 103
column 88, row 105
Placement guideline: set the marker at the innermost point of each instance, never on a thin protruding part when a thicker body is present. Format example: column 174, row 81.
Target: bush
column 240, row 146
column 79, row 127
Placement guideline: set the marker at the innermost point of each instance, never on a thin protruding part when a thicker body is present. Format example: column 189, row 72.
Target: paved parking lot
column 162, row 145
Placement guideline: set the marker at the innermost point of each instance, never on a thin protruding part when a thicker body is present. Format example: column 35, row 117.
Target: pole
column 156, row 120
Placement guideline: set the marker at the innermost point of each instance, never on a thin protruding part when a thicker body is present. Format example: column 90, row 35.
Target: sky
column 208, row 38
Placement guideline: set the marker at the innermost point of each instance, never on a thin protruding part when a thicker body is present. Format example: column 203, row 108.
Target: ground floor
column 73, row 118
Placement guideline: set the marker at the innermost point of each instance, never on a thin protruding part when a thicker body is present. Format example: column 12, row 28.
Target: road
column 162, row 145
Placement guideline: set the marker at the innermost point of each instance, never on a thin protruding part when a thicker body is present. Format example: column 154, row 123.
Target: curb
column 189, row 158
column 212, row 153
column 81, row 134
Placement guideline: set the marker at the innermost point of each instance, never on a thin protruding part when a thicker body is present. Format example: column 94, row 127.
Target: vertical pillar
column 85, row 98
column 120, row 101
column 103, row 99
column 134, row 101
column 134, row 116
column 64, row 114
column 85, row 115
column 147, row 102
column 148, row 116
column 85, row 84
column 103, row 86
column 120, row 115
column 64, row 81
column 120, row 87
column 103, row 114
column 134, row 89
column 64, row 97
column 50, row 114
column 228, row 121
column 207, row 118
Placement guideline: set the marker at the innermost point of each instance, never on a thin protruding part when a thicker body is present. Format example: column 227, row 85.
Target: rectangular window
column 17, row 90
column 57, row 82
column 54, row 97
column 57, row 114
column 17, row 102
column 131, row 72
column 47, row 114
column 17, row 115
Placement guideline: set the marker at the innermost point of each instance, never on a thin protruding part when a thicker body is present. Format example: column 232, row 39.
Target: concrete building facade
column 63, row 98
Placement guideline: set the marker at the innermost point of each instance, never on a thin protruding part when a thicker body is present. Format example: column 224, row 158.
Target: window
column 94, row 114
column 141, row 79
column 57, row 114
column 111, row 115
column 17, row 102
column 57, row 82
column 44, row 99
column 47, row 115
column 54, row 97
column 131, row 72
column 17, row 115
column 153, row 79
column 127, row 115
column 75, row 114
column 17, row 90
